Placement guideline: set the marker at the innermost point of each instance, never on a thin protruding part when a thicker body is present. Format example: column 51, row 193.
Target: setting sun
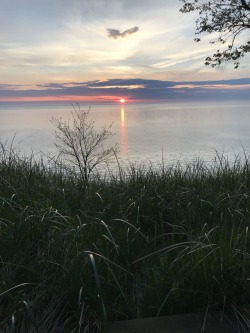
column 122, row 100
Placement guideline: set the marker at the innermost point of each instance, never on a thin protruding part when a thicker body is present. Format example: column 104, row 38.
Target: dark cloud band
column 135, row 89
column 115, row 33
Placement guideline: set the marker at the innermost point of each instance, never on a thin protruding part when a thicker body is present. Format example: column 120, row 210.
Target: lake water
column 175, row 131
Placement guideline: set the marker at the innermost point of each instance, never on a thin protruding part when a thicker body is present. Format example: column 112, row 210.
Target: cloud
column 51, row 86
column 115, row 33
column 132, row 89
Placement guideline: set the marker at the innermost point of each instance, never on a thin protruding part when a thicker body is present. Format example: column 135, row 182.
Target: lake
column 174, row 131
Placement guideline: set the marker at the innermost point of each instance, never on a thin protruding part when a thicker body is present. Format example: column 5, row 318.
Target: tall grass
column 145, row 242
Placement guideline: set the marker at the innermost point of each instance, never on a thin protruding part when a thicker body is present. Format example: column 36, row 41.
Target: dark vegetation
column 226, row 21
column 145, row 242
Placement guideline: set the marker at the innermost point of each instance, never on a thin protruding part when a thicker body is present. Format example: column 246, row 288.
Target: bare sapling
column 82, row 147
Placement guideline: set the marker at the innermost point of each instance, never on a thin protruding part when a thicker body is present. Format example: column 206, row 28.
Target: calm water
column 176, row 131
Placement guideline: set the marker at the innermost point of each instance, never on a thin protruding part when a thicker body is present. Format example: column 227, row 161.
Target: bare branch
column 80, row 144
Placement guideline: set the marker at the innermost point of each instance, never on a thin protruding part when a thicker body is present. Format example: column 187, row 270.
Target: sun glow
column 122, row 100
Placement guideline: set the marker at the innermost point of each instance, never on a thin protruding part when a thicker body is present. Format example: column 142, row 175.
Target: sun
column 122, row 100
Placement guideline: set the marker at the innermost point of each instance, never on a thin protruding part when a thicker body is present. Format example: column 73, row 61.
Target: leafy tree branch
column 228, row 19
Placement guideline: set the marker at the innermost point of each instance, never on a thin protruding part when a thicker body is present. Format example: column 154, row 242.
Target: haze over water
column 176, row 131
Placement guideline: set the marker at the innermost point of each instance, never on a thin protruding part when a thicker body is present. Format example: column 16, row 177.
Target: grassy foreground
column 144, row 243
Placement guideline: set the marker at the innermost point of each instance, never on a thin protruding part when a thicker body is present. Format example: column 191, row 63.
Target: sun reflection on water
column 124, row 144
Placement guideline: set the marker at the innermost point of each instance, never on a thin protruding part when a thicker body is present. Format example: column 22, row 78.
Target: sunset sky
column 102, row 50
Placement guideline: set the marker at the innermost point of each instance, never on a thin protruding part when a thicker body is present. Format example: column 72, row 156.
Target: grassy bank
column 144, row 243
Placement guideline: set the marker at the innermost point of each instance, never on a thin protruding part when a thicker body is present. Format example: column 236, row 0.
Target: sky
column 104, row 50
